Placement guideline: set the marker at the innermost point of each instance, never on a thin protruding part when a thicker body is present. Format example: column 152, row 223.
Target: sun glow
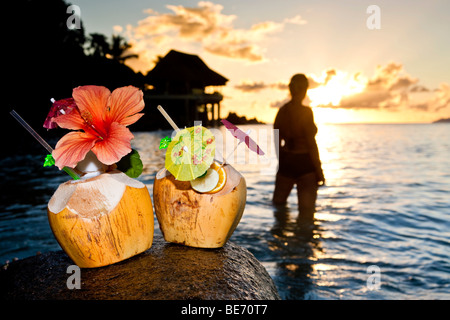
column 333, row 87
column 333, row 115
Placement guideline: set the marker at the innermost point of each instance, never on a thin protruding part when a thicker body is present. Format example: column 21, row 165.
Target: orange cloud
column 390, row 88
column 246, row 86
column 204, row 25
column 296, row 20
column 440, row 99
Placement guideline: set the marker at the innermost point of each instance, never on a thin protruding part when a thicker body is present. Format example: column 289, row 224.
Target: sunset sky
column 398, row 73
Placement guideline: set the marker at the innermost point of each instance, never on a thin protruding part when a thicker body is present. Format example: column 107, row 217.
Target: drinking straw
column 16, row 116
column 168, row 118
column 175, row 127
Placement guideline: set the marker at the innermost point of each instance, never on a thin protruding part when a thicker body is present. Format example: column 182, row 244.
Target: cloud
column 440, row 100
column 366, row 100
column 388, row 89
column 312, row 83
column 205, row 26
column 390, row 77
column 117, row 29
column 247, row 86
column 279, row 103
column 330, row 74
column 251, row 86
column 242, row 52
column 419, row 88
column 256, row 86
column 296, row 20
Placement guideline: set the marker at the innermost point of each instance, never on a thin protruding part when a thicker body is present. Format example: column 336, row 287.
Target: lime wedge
column 207, row 182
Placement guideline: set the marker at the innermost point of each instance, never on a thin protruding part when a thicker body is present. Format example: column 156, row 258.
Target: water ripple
column 385, row 204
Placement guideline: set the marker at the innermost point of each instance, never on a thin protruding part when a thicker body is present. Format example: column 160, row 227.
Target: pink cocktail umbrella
column 242, row 137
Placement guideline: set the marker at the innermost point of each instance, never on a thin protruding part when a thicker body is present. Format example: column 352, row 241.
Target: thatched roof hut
column 179, row 73
column 178, row 84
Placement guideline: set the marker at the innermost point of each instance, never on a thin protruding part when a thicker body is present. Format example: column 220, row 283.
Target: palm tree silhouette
column 118, row 49
column 99, row 47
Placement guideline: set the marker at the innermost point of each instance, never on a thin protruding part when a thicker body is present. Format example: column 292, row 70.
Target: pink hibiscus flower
column 103, row 116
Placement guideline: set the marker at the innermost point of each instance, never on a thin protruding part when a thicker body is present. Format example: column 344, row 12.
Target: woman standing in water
column 298, row 159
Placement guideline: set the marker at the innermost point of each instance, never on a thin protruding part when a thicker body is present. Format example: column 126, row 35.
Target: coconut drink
column 104, row 215
column 199, row 201
column 102, row 220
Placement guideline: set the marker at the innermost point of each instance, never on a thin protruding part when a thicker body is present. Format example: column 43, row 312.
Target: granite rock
column 164, row 272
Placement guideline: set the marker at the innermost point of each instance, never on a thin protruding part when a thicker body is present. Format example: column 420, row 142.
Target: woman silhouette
column 298, row 159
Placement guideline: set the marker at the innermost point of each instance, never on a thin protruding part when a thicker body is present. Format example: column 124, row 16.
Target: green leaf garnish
column 49, row 161
column 131, row 164
column 164, row 142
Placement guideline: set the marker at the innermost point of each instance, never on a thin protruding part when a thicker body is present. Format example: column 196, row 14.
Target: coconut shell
column 102, row 220
column 196, row 219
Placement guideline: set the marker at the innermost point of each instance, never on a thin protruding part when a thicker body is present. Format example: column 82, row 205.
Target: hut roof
column 179, row 66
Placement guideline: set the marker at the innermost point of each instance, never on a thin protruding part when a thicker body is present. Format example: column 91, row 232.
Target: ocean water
column 381, row 230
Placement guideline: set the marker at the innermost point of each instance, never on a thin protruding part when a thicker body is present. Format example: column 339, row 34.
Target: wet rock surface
column 164, row 272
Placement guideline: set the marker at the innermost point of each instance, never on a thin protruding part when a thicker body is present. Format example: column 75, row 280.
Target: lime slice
column 207, row 182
